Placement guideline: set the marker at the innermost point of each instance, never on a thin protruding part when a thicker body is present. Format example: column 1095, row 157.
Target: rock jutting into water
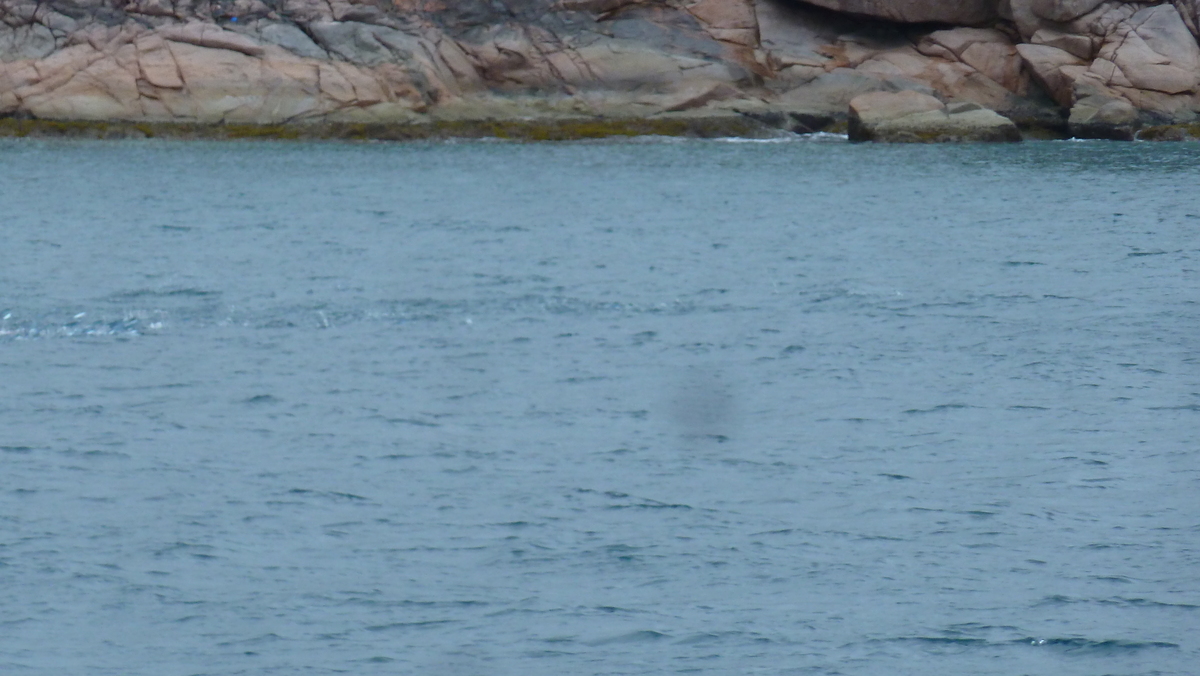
column 1091, row 68
column 912, row 117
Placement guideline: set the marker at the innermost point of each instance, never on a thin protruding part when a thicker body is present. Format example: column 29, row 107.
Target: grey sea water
column 485, row 409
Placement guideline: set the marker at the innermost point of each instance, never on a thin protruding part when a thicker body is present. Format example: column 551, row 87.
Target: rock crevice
column 1082, row 63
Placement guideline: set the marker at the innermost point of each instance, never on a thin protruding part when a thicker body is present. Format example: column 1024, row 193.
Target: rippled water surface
column 486, row 409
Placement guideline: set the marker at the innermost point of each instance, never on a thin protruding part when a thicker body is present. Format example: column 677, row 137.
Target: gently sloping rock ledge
column 913, row 117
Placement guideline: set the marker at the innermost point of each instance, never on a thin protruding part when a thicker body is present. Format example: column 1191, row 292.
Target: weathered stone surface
column 1056, row 69
column 1171, row 132
column 794, row 35
column 396, row 60
column 1151, row 50
column 195, row 73
column 1141, row 53
column 1189, row 11
column 31, row 41
column 213, row 37
column 911, row 117
column 732, row 21
column 290, row 37
column 876, row 107
column 1080, row 46
column 988, row 51
column 945, row 11
column 1103, row 118
column 1063, row 10
column 830, row 93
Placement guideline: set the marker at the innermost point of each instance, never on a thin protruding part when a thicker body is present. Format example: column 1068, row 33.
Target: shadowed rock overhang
column 1093, row 64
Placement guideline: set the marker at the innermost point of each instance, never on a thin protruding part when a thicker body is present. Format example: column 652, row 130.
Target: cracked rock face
column 1189, row 12
column 793, row 61
column 1062, row 10
column 270, row 61
column 1136, row 56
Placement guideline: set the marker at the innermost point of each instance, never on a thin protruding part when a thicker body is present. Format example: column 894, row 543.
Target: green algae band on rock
column 552, row 129
column 913, row 117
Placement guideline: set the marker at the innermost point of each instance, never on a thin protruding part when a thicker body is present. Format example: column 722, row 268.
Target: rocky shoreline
column 528, row 129
column 884, row 70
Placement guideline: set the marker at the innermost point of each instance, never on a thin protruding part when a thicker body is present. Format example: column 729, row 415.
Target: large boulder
column 912, row 117
column 963, row 12
column 986, row 50
column 1110, row 52
column 1057, row 70
column 832, row 92
column 1153, row 50
column 1101, row 117
column 199, row 72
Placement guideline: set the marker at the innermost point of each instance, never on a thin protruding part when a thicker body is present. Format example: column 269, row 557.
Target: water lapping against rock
column 620, row 408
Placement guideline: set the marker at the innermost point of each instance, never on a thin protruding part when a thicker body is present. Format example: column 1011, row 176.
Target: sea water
column 648, row 407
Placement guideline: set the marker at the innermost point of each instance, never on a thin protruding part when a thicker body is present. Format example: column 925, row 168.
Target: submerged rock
column 912, row 117
column 1171, row 132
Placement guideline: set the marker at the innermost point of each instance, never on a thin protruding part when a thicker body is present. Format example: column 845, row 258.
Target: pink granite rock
column 399, row 60
column 911, row 117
